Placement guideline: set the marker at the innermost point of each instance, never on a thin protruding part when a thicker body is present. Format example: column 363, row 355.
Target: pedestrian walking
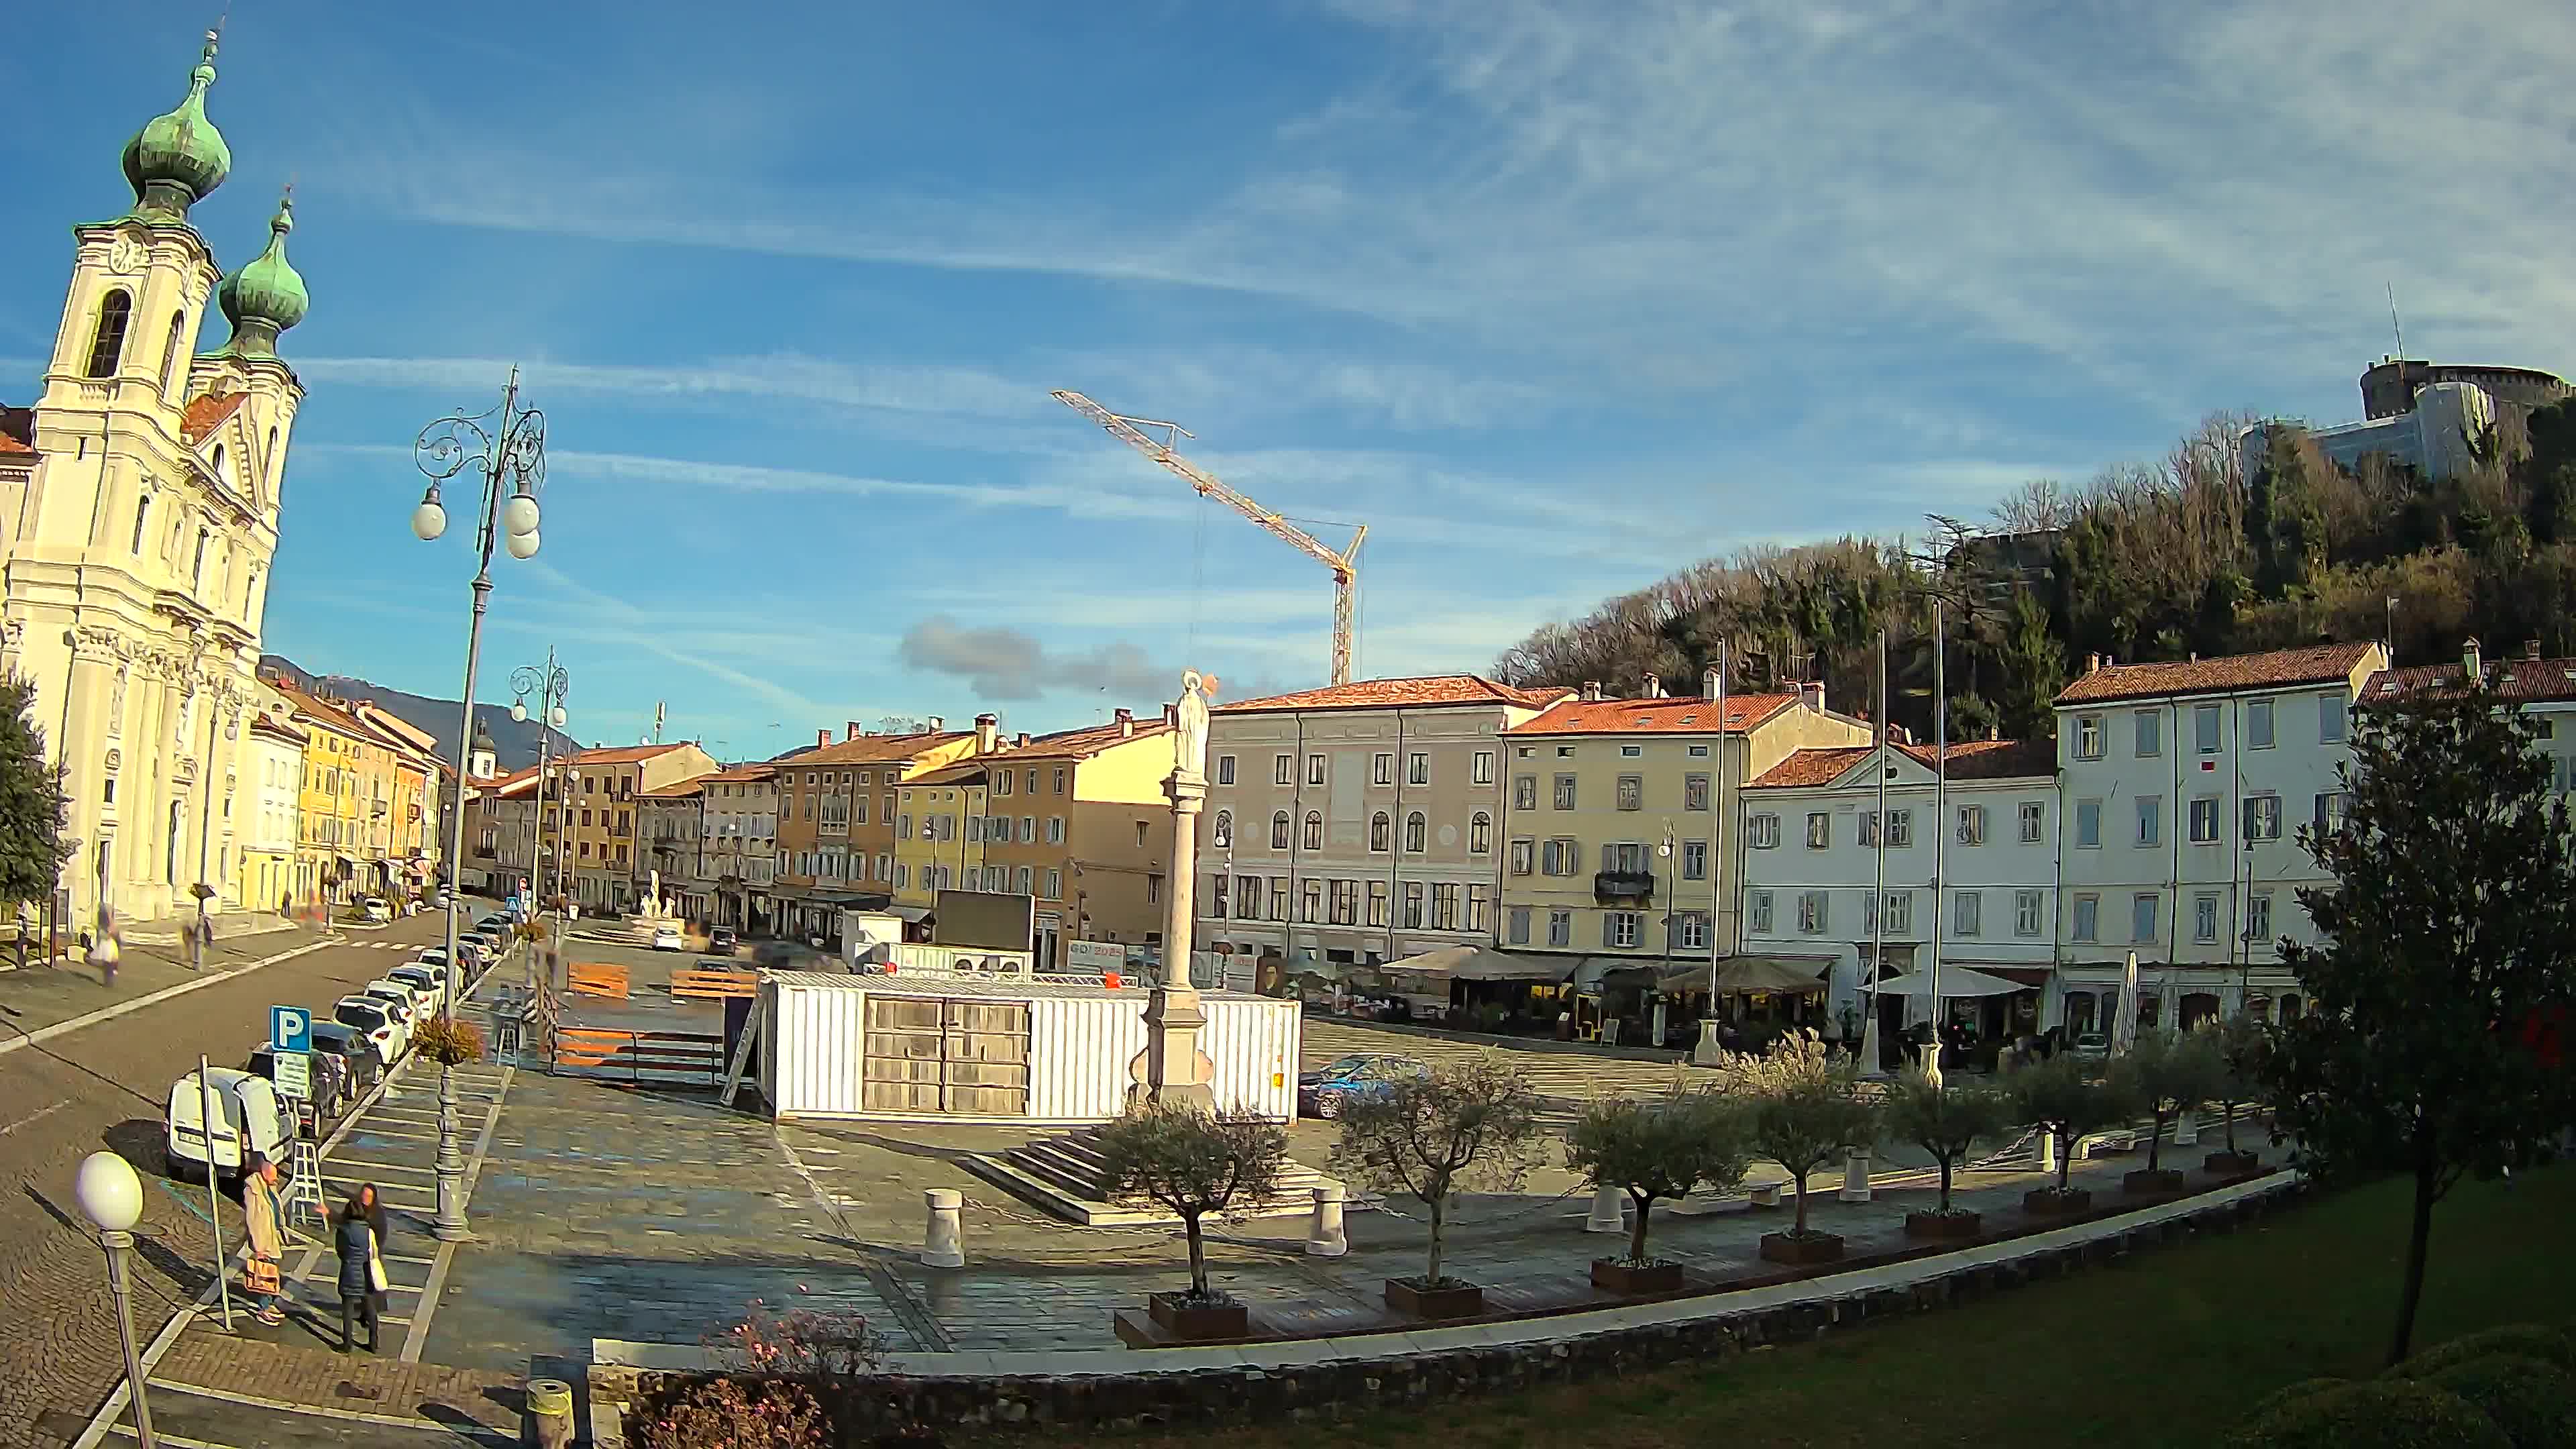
column 360, row 1240
column 104, row 949
column 262, row 1222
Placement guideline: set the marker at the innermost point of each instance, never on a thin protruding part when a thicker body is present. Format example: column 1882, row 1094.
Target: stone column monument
column 1172, row 1068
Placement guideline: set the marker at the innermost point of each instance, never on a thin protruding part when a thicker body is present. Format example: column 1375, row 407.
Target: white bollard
column 1856, row 1177
column 2187, row 1130
column 944, row 1241
column 2047, row 1150
column 1608, row 1216
column 1324, row 1235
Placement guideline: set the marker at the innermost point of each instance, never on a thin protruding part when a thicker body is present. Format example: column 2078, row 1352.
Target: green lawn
column 2163, row 1349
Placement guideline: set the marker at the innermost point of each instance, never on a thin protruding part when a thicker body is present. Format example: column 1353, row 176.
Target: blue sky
column 1556, row 297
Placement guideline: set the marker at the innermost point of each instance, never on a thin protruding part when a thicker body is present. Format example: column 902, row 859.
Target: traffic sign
column 290, row 1029
column 294, row 1075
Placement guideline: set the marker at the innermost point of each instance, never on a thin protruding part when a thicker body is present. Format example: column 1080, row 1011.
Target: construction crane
column 1344, row 563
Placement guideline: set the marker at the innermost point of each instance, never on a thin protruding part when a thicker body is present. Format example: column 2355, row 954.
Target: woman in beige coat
column 263, row 1223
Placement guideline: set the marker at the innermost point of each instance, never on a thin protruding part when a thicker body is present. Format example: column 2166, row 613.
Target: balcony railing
column 1623, row 885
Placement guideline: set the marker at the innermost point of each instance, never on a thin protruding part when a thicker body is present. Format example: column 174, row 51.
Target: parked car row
column 354, row 1047
column 1359, row 1078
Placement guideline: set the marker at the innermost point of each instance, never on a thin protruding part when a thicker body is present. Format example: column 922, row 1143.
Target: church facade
column 139, row 501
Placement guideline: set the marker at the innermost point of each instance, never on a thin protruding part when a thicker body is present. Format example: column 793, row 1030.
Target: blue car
column 1321, row 1094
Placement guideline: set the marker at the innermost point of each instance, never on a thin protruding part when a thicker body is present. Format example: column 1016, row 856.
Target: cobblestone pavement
column 105, row 1085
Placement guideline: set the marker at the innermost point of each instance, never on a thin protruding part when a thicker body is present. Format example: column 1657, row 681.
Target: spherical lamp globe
column 559, row 717
column 523, row 545
column 428, row 521
column 518, row 711
column 109, row 1193
column 519, row 515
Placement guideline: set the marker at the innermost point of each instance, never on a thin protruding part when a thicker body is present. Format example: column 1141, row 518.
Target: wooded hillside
column 2191, row 554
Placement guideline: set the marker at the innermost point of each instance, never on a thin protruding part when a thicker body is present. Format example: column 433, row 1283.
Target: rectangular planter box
column 1463, row 1301
column 1813, row 1248
column 2048, row 1202
column 1616, row 1277
column 2231, row 1164
column 1195, row 1320
column 2155, row 1182
column 1945, row 1227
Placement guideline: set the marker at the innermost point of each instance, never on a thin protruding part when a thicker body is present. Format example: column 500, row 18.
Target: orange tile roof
column 1671, row 714
column 744, row 774
column 1423, row 691
column 1969, row 760
column 2517, row 681
column 620, row 755
column 872, row 749
column 207, row 412
column 2313, row 664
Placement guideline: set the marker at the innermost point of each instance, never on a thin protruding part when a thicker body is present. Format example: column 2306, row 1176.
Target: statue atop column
column 1172, row 1068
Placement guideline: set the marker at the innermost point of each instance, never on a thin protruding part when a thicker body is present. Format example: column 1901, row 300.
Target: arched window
column 1480, row 833
column 197, row 570
column 1279, row 831
column 1224, row 829
column 1381, row 832
column 1414, row 830
column 107, row 344
column 1314, row 830
column 170, row 871
column 142, row 517
column 170, row 379
column 219, row 463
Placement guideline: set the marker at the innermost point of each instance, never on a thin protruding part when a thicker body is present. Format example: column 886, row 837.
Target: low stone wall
column 1344, row 1375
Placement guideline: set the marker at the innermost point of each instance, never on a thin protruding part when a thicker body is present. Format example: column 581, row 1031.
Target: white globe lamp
column 109, row 1193
column 523, row 545
column 428, row 521
column 519, row 515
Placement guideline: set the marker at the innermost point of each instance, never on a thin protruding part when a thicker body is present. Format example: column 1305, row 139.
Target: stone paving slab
column 234, row 1391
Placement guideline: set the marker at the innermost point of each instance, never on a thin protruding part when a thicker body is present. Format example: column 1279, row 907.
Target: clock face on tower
column 125, row 254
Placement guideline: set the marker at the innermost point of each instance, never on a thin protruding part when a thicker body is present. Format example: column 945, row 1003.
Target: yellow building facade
column 1618, row 819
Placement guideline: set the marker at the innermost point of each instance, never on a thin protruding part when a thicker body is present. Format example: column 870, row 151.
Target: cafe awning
column 1596, row 971
column 1738, row 975
column 1956, row 981
column 1481, row 963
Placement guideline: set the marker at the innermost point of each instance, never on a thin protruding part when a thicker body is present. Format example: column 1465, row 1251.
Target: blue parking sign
column 290, row 1029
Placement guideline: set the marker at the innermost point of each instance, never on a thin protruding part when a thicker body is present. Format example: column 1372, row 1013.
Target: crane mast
column 1344, row 563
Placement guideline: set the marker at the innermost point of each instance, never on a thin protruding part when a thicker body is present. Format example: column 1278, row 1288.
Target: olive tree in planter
column 2061, row 1098
column 1472, row 1124
column 2240, row 1044
column 1653, row 1150
column 1192, row 1162
column 2166, row 1074
column 1806, row 1110
column 1948, row 1119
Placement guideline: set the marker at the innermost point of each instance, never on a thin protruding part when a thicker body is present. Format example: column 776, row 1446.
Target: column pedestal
column 1607, row 1211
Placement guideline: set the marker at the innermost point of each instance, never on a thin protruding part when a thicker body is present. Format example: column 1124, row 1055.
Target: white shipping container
column 815, row 1049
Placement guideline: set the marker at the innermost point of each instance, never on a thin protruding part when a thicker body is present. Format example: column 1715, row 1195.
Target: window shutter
column 1606, row 936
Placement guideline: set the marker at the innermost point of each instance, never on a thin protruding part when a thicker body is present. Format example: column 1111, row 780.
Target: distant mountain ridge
column 514, row 743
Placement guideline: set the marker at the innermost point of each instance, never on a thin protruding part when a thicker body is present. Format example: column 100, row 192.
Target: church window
column 197, row 571
column 107, row 344
column 219, row 462
column 142, row 516
column 170, row 353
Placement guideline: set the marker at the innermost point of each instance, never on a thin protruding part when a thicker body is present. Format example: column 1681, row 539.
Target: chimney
column 822, row 738
column 1709, row 682
column 1592, row 691
column 2092, row 663
column 2471, row 660
column 1171, row 719
column 936, row 724
column 1651, row 687
column 1812, row 694
column 2531, row 649
column 1126, row 721
column 851, row 730
column 988, row 729
column 1022, row 742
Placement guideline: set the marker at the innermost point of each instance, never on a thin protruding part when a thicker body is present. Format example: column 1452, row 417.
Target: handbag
column 375, row 1264
column 259, row 1275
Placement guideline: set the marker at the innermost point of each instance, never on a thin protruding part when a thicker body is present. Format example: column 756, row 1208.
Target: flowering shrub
column 449, row 1042
column 730, row 1413
column 830, row 1349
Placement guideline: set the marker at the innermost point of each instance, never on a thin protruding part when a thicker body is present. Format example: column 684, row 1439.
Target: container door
column 986, row 1055
column 900, row 1070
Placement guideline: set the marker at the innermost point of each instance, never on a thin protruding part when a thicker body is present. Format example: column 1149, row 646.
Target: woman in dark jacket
column 360, row 1239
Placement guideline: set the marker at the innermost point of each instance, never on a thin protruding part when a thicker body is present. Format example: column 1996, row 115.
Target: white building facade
column 740, row 849
column 137, row 549
column 2183, row 789
column 273, row 757
column 1360, row 823
column 1826, row 885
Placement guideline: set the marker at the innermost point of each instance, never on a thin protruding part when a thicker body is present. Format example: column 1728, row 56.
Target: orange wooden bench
column 596, row 978
column 714, row 985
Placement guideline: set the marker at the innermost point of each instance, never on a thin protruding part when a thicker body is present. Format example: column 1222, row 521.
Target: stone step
column 1062, row 1174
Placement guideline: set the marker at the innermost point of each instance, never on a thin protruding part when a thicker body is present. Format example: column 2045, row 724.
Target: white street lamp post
column 509, row 449
column 111, row 1196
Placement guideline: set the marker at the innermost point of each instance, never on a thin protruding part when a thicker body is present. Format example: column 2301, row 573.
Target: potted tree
column 1193, row 1163
column 2240, row 1044
column 1947, row 1119
column 1468, row 1125
column 1806, row 1110
column 1652, row 1151
column 2060, row 1099
column 2165, row 1075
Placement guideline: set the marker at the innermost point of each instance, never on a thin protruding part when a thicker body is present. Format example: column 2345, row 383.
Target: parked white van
column 246, row 1104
